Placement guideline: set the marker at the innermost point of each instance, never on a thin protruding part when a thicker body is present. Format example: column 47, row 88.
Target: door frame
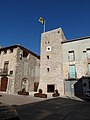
column 4, row 84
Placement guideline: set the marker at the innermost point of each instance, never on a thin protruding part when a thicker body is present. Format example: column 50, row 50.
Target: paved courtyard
column 61, row 108
column 18, row 99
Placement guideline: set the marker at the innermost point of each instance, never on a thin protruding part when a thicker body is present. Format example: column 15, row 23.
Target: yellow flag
column 41, row 20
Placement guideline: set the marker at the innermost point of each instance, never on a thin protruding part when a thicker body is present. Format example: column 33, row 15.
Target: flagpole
column 44, row 26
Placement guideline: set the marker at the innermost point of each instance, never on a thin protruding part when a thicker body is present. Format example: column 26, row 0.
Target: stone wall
column 23, row 68
column 51, row 46
column 11, row 57
column 80, row 61
column 27, row 68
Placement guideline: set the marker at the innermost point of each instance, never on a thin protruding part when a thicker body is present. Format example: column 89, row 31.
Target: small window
column 47, row 69
column 11, row 50
column 5, row 51
column 11, row 72
column 6, row 63
column 71, row 56
column 25, row 54
column 47, row 56
column 49, row 48
column 84, row 51
column 72, row 71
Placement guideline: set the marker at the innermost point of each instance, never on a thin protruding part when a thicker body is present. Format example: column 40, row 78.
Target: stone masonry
column 24, row 66
column 80, row 61
column 51, row 62
column 55, row 63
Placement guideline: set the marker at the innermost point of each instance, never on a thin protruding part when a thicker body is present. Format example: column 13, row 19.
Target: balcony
column 72, row 75
column 3, row 72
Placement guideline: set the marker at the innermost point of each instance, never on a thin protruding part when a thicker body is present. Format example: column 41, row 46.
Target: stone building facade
column 51, row 62
column 19, row 68
column 63, row 63
column 76, row 65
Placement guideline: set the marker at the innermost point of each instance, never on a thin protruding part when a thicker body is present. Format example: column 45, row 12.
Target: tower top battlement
column 56, row 32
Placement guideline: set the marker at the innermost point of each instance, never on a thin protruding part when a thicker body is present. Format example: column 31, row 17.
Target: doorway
column 36, row 86
column 70, row 87
column 50, row 88
column 4, row 82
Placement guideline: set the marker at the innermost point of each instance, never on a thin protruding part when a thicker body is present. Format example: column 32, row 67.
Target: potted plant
column 23, row 92
column 40, row 94
column 56, row 94
column 40, row 90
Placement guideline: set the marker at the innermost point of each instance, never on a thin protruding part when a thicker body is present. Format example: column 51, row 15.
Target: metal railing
column 72, row 75
column 3, row 71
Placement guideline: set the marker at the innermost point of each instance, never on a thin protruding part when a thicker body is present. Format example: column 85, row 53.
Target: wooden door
column 4, row 81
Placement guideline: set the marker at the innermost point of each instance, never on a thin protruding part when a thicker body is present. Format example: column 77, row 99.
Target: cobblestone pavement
column 67, row 108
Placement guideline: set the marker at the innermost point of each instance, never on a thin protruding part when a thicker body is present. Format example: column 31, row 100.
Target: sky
column 19, row 20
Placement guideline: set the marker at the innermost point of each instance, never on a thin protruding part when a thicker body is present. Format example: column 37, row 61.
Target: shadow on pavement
column 8, row 112
column 55, row 109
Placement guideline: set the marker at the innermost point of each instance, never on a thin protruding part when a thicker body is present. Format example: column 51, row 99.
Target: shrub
column 40, row 90
column 56, row 91
column 56, row 94
column 23, row 90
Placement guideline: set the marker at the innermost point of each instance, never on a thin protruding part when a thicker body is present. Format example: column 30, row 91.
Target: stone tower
column 51, row 62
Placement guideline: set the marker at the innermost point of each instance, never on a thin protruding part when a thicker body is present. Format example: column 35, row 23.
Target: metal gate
column 69, row 87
